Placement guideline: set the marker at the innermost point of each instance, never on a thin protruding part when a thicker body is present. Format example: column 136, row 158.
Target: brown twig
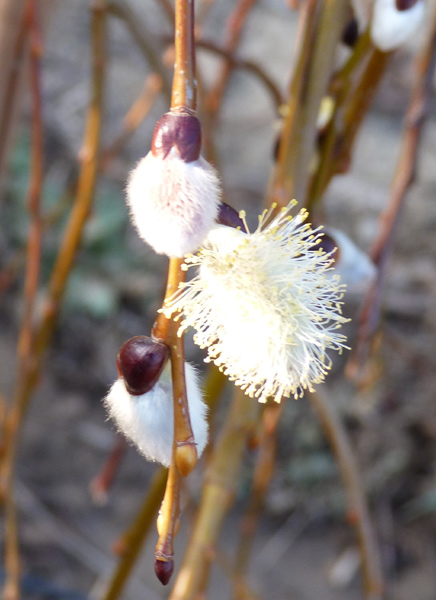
column 357, row 510
column 220, row 483
column 133, row 119
column 13, row 11
column 101, row 483
column 235, row 24
column 261, row 479
column 70, row 243
column 131, row 543
column 184, row 455
column 369, row 319
column 144, row 42
column 26, row 335
column 246, row 65
column 321, row 25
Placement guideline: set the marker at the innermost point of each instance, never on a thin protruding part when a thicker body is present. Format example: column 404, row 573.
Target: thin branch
column 261, row 479
column 26, row 335
column 220, row 484
column 403, row 178
column 144, row 41
column 357, row 510
column 247, row 65
column 69, row 246
column 16, row 10
column 101, row 483
column 131, row 543
column 133, row 119
column 321, row 26
column 235, row 24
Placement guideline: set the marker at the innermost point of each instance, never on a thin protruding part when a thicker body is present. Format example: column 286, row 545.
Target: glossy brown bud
column 179, row 130
column 405, row 4
column 140, row 362
column 350, row 33
column 163, row 569
column 329, row 245
column 228, row 216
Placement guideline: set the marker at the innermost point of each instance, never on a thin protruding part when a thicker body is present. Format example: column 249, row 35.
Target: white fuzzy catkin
column 173, row 204
column 148, row 420
column 390, row 27
column 263, row 305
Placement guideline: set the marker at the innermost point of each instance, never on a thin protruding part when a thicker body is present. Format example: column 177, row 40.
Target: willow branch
column 246, row 65
column 263, row 473
column 13, row 54
column 357, row 510
column 131, row 543
column 220, row 483
column 69, row 246
column 123, row 12
column 403, row 178
column 321, row 25
column 235, row 24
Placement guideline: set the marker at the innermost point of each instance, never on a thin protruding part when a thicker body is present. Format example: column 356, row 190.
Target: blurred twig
column 263, row 472
column 70, row 242
column 403, row 178
column 357, row 510
column 220, row 484
column 320, row 28
column 131, row 542
column 13, row 23
column 26, row 335
column 234, row 26
column 134, row 117
column 148, row 48
column 238, row 63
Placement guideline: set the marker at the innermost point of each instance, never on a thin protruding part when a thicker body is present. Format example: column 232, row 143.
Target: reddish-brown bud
column 329, row 245
column 350, row 33
column 140, row 362
column 228, row 216
column 164, row 569
column 405, row 4
column 179, row 130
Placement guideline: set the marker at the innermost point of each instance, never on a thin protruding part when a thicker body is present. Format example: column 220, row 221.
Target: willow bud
column 174, row 193
column 147, row 419
column 140, row 362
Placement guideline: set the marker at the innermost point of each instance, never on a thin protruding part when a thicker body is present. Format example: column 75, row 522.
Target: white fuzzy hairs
column 173, row 204
column 148, row 420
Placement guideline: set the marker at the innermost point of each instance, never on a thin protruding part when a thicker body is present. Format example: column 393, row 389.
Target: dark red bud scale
column 140, row 362
column 228, row 216
column 405, row 4
column 350, row 33
column 328, row 244
column 163, row 569
column 179, row 130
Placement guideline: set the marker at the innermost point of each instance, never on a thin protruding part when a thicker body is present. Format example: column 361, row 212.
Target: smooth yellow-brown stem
column 133, row 539
column 220, row 484
column 322, row 25
column 184, row 92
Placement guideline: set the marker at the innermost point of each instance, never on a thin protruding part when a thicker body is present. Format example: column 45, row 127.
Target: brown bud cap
column 164, row 569
column 228, row 216
column 140, row 362
column 405, row 4
column 329, row 245
column 350, row 33
column 181, row 130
